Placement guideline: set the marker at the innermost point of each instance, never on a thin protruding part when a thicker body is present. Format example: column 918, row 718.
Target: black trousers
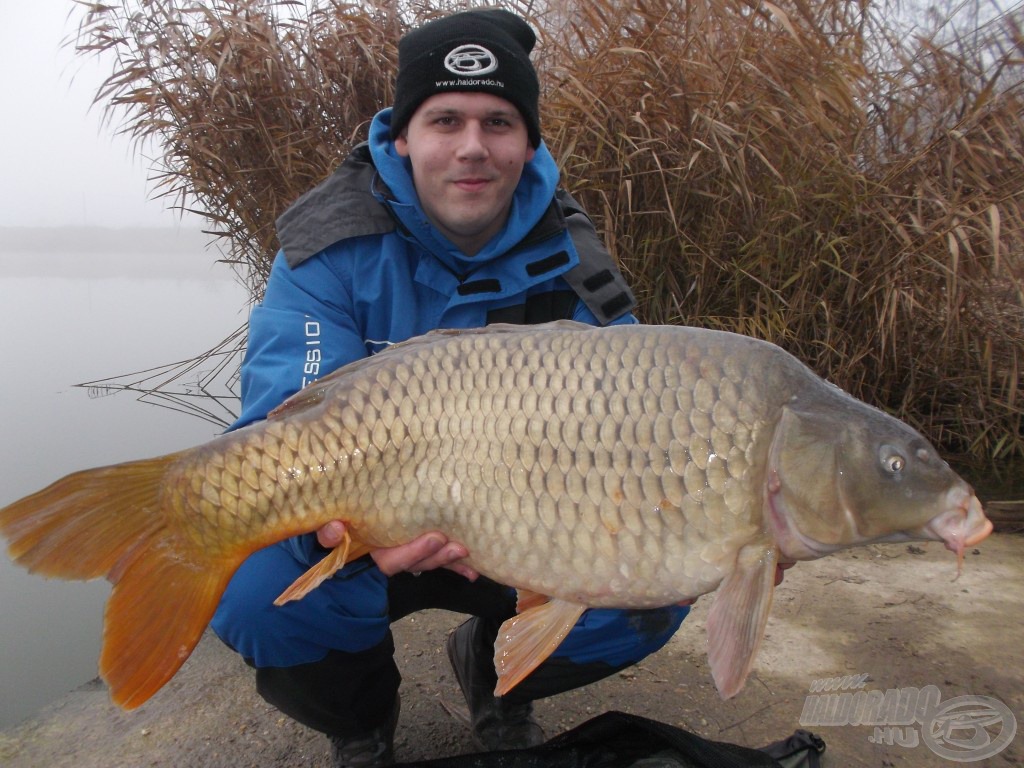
column 346, row 694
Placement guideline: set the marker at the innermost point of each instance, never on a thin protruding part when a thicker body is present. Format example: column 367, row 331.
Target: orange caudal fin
column 109, row 522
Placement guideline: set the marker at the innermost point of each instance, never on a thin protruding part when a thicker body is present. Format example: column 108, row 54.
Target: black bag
column 801, row 750
column 618, row 740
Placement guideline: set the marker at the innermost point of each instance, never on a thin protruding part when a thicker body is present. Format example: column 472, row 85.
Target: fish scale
column 632, row 466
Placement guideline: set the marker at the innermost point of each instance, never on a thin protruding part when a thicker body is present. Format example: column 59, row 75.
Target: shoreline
column 890, row 612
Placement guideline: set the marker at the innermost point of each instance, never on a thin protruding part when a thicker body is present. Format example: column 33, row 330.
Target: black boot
column 496, row 723
column 374, row 748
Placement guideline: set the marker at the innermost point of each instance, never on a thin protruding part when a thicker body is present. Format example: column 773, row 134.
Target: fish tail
column 110, row 522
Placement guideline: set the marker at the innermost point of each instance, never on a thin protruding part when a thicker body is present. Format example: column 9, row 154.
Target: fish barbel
column 631, row 466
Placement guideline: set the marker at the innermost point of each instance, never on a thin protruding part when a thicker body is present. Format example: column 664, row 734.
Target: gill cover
column 803, row 491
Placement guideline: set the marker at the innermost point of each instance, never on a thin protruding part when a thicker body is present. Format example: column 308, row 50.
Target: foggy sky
column 61, row 165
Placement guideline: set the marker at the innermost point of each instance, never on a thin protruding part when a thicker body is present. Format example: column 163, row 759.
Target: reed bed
column 811, row 172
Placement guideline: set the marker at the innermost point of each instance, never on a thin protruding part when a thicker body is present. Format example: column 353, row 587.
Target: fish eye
column 892, row 460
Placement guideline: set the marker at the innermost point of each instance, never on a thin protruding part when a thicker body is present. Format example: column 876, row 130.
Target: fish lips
column 962, row 526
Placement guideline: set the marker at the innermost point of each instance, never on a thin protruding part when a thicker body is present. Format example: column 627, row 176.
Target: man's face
column 467, row 152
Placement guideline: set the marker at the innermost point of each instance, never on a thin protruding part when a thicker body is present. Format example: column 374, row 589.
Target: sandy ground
column 890, row 612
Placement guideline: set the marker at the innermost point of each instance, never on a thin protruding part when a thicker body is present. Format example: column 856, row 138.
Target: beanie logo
column 470, row 61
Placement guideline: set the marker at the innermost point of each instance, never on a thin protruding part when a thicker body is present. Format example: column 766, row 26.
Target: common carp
column 631, row 466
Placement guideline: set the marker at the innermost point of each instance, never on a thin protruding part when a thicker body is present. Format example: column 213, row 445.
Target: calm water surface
column 67, row 318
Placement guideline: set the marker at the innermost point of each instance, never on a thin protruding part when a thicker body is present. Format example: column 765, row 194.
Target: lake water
column 67, row 317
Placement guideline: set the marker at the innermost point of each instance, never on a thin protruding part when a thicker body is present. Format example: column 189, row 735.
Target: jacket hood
column 530, row 201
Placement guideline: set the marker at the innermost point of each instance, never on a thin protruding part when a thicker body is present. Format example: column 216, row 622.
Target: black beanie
column 485, row 51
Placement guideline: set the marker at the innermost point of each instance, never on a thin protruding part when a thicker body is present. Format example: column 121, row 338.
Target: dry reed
column 797, row 171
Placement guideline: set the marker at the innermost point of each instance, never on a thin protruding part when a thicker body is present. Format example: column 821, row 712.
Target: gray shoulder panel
column 596, row 280
column 338, row 208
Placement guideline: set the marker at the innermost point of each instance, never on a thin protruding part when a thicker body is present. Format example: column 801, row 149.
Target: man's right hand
column 424, row 553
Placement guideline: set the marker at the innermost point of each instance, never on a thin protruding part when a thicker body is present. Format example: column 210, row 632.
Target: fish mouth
column 962, row 525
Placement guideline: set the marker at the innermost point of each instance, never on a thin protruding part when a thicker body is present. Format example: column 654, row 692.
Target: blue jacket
column 361, row 267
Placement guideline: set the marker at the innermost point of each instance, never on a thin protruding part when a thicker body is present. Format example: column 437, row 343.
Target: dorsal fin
column 439, row 335
column 313, row 394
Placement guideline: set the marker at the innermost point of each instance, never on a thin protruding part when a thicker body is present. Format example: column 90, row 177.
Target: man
column 448, row 217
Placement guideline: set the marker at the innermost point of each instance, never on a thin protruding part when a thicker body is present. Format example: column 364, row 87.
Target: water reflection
column 65, row 318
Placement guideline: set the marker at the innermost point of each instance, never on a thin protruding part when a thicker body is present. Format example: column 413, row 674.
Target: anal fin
column 350, row 549
column 738, row 616
column 525, row 640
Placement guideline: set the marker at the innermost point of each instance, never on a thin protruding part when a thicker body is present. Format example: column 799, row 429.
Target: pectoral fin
column 347, row 551
column 738, row 616
column 525, row 640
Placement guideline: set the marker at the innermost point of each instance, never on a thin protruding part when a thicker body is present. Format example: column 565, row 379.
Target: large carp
column 632, row 466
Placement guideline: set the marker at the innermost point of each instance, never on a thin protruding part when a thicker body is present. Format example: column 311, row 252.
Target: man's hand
column 424, row 553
